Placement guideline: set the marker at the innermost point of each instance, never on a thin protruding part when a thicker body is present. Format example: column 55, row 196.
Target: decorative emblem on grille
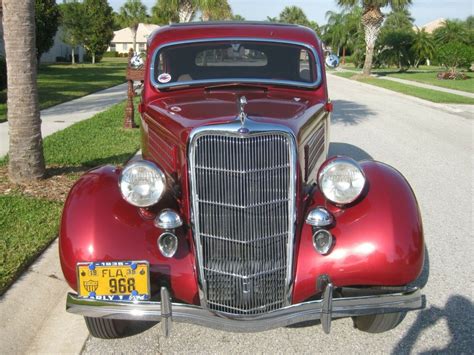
column 241, row 106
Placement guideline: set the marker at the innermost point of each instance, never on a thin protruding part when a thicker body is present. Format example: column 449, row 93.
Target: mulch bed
column 54, row 187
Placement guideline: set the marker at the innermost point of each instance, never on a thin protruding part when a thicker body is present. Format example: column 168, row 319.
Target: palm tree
column 131, row 14
column 372, row 19
column 169, row 11
column 214, row 10
column 423, row 46
column 26, row 161
column 341, row 29
column 335, row 31
column 451, row 31
column 294, row 14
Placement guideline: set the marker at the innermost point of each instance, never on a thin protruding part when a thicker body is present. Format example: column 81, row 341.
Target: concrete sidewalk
column 427, row 86
column 63, row 115
column 34, row 319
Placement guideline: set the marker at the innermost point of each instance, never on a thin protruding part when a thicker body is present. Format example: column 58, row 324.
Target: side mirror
column 332, row 61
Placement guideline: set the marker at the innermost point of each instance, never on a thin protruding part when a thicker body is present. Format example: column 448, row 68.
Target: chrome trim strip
column 409, row 300
column 313, row 85
column 234, row 129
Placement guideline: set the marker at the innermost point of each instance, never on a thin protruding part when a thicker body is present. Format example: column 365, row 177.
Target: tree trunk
column 343, row 56
column 73, row 58
column 372, row 21
column 134, row 34
column 186, row 12
column 26, row 161
column 93, row 58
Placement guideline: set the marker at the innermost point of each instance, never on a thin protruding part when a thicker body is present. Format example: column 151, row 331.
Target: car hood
column 181, row 113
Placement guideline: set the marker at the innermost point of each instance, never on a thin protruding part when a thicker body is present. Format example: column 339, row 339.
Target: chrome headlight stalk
column 341, row 180
column 142, row 183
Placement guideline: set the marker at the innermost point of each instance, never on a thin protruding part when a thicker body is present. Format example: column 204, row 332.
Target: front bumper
column 324, row 309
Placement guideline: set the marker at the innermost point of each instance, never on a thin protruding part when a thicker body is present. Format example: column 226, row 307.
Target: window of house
column 125, row 47
column 112, row 47
column 141, row 47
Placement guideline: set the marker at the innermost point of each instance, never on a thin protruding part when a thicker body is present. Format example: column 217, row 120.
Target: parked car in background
column 235, row 218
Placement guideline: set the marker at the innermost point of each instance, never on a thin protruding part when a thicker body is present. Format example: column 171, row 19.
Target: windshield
column 234, row 61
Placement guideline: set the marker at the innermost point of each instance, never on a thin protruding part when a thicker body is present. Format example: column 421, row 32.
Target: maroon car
column 234, row 218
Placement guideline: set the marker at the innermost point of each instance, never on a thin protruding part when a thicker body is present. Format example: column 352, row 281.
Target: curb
column 34, row 317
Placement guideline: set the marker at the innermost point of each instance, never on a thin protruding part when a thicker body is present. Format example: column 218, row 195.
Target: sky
column 423, row 11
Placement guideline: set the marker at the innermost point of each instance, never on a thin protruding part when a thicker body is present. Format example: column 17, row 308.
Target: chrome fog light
column 168, row 219
column 322, row 241
column 168, row 244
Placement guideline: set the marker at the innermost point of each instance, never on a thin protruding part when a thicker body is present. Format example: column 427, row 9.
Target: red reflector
column 329, row 106
column 140, row 107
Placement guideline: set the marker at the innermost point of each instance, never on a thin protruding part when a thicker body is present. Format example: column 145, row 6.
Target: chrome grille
column 243, row 190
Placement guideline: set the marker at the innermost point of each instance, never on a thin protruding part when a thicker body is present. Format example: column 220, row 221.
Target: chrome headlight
column 142, row 183
column 341, row 180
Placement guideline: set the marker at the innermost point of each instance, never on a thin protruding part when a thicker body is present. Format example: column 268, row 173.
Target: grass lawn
column 29, row 216
column 429, row 77
column 59, row 83
column 426, row 94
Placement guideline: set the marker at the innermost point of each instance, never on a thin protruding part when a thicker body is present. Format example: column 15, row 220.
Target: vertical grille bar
column 243, row 191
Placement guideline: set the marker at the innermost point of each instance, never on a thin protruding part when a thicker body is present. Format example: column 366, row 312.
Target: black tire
column 106, row 328
column 378, row 323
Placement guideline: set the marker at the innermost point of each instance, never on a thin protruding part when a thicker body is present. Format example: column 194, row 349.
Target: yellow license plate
column 114, row 280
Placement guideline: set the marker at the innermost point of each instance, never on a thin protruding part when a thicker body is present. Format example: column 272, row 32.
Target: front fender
column 378, row 241
column 98, row 225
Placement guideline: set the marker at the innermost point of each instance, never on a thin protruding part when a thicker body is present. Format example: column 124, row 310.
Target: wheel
column 106, row 328
column 378, row 323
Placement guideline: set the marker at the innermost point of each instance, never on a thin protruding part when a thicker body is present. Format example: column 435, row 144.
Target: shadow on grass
column 118, row 159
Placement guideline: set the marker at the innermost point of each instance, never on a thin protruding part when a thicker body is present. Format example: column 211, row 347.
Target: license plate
column 114, row 280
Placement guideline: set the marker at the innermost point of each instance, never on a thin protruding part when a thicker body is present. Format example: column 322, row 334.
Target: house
column 61, row 51
column 430, row 27
column 123, row 39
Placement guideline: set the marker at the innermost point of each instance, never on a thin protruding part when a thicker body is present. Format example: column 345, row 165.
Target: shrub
column 3, row 73
column 88, row 57
column 111, row 54
column 455, row 55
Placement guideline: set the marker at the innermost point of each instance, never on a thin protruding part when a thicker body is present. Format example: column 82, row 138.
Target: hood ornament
column 241, row 106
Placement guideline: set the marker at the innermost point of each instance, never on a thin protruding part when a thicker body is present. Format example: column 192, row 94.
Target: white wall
column 60, row 49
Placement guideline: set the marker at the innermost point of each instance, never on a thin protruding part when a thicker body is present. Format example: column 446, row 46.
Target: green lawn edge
column 28, row 225
column 59, row 83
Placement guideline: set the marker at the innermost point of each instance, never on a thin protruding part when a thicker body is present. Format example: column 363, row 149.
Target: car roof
column 233, row 29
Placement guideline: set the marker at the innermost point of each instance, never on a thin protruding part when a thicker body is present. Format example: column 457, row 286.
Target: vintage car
column 234, row 217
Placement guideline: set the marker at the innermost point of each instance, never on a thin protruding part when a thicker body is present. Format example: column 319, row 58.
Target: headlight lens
column 341, row 180
column 142, row 183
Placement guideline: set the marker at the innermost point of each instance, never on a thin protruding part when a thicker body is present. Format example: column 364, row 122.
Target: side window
column 305, row 66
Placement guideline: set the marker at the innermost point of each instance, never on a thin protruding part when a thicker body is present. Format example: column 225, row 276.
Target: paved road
column 433, row 149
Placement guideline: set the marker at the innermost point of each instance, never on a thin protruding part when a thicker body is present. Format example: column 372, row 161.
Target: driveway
column 433, row 149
